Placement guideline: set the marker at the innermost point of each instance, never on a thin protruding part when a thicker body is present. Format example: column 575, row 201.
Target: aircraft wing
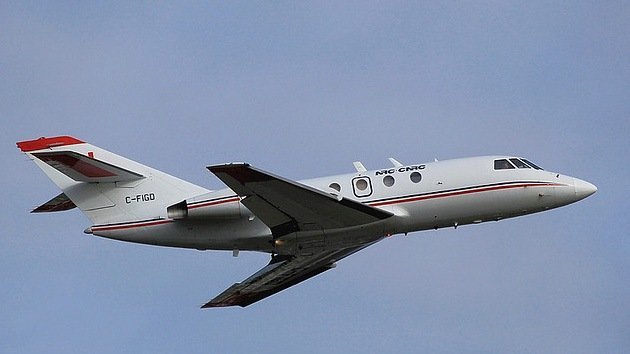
column 282, row 272
column 287, row 206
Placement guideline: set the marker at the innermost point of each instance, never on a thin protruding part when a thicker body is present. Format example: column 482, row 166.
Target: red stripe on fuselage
column 130, row 225
column 399, row 200
column 459, row 192
column 214, row 202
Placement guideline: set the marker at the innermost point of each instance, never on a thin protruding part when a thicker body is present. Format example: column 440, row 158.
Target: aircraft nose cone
column 583, row 189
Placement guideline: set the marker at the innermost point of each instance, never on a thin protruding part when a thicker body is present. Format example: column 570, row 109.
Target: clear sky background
column 303, row 90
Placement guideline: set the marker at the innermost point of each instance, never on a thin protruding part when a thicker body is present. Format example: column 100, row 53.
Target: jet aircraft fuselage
column 427, row 196
column 306, row 226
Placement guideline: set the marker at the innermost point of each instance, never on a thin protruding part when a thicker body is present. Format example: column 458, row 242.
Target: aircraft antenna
column 395, row 162
column 359, row 167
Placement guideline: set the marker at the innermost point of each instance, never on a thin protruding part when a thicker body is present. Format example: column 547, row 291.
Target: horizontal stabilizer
column 58, row 203
column 83, row 168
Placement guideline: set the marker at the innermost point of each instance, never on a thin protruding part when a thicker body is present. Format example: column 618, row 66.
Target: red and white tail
column 108, row 188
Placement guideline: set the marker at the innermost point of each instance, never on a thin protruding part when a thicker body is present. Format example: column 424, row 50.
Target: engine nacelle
column 203, row 207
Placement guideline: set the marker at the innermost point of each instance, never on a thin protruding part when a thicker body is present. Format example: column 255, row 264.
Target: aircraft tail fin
column 70, row 157
column 105, row 186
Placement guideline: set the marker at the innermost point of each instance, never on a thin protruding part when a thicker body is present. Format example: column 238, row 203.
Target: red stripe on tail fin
column 45, row 143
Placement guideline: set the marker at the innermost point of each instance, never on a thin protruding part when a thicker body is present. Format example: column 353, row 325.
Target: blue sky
column 303, row 90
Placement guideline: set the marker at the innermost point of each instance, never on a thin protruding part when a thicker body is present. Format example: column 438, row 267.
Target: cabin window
column 503, row 164
column 415, row 177
column 335, row 186
column 519, row 163
column 531, row 164
column 388, row 181
column 361, row 184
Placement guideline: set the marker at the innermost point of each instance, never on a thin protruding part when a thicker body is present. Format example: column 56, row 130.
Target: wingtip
column 211, row 305
column 225, row 166
column 241, row 171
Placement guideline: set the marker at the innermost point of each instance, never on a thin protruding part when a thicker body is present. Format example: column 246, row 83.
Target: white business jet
column 305, row 226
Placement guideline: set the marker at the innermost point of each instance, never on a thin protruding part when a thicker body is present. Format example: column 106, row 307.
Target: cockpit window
column 503, row 164
column 531, row 164
column 519, row 163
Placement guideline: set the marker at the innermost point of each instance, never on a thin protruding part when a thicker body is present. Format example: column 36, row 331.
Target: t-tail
column 106, row 187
